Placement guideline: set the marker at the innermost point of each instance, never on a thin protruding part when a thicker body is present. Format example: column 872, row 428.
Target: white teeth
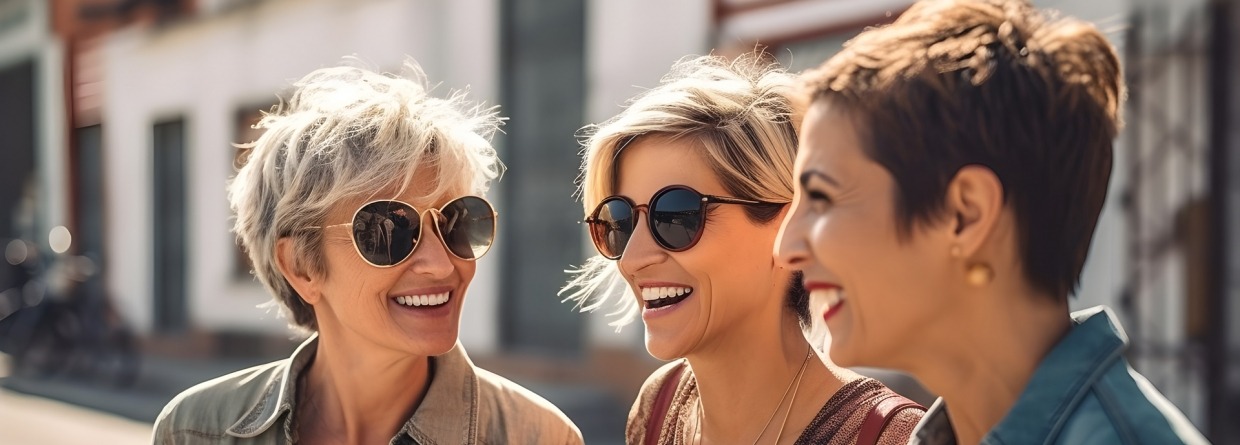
column 655, row 293
column 423, row 300
column 832, row 296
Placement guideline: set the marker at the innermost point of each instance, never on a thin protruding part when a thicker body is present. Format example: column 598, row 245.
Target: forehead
column 425, row 189
column 649, row 164
column 829, row 135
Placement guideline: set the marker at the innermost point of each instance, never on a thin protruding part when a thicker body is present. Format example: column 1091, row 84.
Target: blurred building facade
column 126, row 110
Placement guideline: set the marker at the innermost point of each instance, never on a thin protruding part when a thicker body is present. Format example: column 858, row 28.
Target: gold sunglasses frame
column 436, row 214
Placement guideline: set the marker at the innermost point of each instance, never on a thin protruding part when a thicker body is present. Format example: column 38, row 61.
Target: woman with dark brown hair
column 951, row 172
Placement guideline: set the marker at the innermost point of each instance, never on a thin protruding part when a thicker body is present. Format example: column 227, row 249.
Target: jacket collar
column 1058, row 384
column 448, row 412
column 1064, row 377
column 278, row 395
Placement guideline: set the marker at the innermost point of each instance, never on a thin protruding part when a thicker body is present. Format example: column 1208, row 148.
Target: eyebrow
column 805, row 177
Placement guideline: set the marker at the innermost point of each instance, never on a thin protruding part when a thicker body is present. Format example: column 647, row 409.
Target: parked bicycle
column 57, row 321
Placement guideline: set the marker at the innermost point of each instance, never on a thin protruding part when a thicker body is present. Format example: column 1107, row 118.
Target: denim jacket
column 1083, row 392
column 463, row 405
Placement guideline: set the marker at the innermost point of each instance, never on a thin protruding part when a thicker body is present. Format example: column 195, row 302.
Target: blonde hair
column 347, row 133
column 738, row 111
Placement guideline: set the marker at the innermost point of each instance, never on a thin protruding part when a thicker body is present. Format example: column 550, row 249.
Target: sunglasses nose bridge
column 638, row 210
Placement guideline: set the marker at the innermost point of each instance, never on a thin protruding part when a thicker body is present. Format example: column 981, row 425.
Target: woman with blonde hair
column 683, row 192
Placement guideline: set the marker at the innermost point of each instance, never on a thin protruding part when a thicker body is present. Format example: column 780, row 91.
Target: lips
column 831, row 294
column 662, row 296
column 423, row 298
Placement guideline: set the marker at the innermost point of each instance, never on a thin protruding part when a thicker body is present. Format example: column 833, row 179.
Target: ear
column 974, row 201
column 305, row 284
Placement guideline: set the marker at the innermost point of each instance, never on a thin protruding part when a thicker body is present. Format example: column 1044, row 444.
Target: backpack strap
column 877, row 419
column 667, row 390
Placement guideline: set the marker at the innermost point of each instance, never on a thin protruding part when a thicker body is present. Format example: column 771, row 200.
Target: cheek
column 862, row 255
column 465, row 269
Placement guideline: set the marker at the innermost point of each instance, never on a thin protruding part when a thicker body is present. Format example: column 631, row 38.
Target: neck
column 359, row 395
column 737, row 371
column 1007, row 332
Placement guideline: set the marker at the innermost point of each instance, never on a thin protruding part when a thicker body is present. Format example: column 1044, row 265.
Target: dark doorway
column 17, row 125
column 543, row 79
column 169, row 223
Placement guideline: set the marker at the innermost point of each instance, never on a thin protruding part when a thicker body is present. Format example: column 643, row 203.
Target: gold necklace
column 791, row 402
column 794, row 385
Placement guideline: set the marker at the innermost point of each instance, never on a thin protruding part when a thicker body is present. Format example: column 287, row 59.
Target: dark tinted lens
column 385, row 232
column 612, row 226
column 468, row 227
column 677, row 217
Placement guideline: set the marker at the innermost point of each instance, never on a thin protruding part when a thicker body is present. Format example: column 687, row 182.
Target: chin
column 663, row 349
column 842, row 355
column 431, row 344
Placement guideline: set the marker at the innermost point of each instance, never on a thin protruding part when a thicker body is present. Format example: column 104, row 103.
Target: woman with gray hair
column 707, row 156
column 361, row 210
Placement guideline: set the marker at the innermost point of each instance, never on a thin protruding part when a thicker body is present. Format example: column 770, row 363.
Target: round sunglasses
column 676, row 215
column 386, row 232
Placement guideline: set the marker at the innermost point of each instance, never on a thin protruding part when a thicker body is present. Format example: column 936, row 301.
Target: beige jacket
column 464, row 405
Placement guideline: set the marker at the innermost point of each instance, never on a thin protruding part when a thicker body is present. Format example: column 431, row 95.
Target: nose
column 642, row 251
column 791, row 248
column 431, row 257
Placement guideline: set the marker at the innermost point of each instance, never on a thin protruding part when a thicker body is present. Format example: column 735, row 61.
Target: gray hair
column 740, row 112
column 348, row 133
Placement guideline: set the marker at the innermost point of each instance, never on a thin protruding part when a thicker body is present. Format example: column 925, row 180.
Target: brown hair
column 1031, row 96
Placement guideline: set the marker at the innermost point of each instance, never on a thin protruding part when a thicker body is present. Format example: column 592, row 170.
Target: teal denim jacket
column 1083, row 392
column 463, row 405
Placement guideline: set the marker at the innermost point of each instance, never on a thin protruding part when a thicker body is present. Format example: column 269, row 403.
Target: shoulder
column 901, row 424
column 891, row 416
column 207, row 409
column 650, row 388
column 1124, row 407
column 509, row 407
column 643, row 406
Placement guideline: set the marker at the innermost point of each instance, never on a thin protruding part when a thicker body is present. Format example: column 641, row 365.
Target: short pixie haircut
column 350, row 133
column 739, row 112
column 1031, row 96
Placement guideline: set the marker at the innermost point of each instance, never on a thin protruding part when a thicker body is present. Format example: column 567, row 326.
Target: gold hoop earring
column 979, row 274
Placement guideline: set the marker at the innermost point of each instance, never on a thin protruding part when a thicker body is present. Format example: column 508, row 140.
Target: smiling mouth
column 657, row 297
column 833, row 297
column 421, row 301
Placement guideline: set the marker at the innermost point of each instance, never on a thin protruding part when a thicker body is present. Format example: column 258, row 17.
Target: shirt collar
column 279, row 394
column 448, row 412
column 1062, row 378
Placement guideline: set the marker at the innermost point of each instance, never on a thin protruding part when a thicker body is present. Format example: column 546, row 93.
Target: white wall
column 207, row 69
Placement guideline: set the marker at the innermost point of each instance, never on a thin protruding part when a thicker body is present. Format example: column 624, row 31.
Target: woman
column 706, row 158
column 361, row 209
column 952, row 169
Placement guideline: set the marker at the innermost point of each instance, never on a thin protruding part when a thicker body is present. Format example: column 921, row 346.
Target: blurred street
column 33, row 420
column 121, row 121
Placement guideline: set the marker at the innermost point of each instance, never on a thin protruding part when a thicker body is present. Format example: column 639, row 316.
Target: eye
column 818, row 200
